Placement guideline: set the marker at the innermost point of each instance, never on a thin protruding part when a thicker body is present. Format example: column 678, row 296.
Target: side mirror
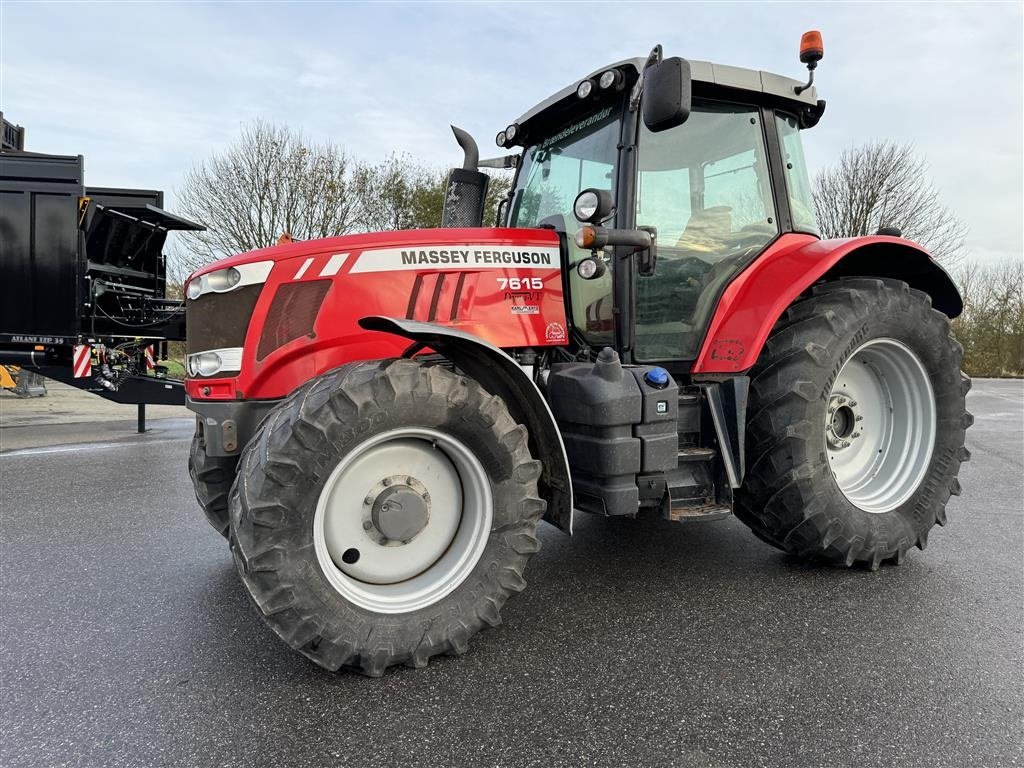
column 667, row 94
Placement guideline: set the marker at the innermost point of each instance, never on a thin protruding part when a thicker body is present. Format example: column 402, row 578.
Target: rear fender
column 499, row 374
column 757, row 297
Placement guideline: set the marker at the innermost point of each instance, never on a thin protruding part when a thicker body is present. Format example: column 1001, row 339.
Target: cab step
column 703, row 512
column 691, row 485
column 696, row 454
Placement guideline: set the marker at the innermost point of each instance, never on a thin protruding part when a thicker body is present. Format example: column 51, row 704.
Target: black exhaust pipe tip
column 469, row 148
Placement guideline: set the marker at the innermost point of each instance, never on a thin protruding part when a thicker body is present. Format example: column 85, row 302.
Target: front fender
column 501, row 375
column 755, row 300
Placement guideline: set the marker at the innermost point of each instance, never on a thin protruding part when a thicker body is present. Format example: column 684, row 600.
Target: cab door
column 706, row 187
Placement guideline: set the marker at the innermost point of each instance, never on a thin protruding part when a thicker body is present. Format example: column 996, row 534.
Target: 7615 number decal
column 520, row 283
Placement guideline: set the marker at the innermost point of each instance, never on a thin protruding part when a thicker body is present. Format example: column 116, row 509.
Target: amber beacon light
column 811, row 52
column 811, row 48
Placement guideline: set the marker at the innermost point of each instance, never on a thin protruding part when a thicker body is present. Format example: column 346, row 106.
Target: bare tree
column 270, row 181
column 884, row 183
column 991, row 327
column 400, row 193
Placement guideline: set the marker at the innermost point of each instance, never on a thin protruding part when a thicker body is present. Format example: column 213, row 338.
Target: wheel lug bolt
column 426, row 497
column 368, row 500
column 853, row 403
column 859, row 418
column 387, row 481
column 367, row 525
column 855, row 434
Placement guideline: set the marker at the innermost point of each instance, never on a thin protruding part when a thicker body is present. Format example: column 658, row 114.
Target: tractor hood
column 432, row 248
column 287, row 313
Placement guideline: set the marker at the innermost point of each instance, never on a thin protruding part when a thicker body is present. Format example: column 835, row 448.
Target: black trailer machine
column 83, row 278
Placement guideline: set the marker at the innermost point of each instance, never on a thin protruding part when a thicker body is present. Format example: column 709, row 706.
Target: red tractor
column 654, row 326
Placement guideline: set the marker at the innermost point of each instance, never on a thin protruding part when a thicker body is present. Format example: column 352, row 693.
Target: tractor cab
column 700, row 168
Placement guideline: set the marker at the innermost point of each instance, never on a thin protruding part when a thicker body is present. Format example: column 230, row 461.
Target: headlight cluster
column 609, row 79
column 612, row 78
column 586, row 205
column 216, row 282
column 224, row 280
column 213, row 361
column 204, row 364
column 593, row 205
column 591, row 268
column 507, row 138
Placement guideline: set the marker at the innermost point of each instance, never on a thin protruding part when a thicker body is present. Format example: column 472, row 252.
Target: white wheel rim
column 415, row 507
column 880, row 425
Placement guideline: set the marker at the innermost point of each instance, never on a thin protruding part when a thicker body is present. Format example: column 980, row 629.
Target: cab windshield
column 553, row 172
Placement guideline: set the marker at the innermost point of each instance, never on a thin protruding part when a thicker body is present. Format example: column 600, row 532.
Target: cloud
column 146, row 90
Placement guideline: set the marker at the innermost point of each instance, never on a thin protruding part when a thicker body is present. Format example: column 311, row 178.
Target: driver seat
column 707, row 231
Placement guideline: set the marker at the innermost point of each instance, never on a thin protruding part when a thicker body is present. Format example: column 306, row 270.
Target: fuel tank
column 620, row 427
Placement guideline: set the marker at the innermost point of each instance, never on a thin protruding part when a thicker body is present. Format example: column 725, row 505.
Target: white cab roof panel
column 704, row 71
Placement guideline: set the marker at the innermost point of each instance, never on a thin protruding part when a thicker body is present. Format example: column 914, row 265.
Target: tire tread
column 782, row 498
column 288, row 448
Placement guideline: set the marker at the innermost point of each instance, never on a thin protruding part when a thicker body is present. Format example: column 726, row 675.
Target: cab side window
column 798, row 183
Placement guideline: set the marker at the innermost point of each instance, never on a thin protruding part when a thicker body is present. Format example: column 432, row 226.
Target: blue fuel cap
column 657, row 377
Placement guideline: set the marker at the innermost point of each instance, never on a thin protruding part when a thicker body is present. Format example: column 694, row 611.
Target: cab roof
column 722, row 75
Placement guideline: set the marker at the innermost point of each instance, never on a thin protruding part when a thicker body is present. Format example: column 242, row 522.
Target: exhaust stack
column 466, row 190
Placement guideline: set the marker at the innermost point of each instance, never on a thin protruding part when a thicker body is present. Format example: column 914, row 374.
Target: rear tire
column 802, row 493
column 304, row 515
column 212, row 477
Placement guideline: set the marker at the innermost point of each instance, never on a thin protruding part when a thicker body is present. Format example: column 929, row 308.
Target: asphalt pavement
column 127, row 638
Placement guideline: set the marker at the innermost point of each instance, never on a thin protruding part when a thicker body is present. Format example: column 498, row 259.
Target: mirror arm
column 508, row 161
column 642, row 240
column 653, row 58
column 637, row 239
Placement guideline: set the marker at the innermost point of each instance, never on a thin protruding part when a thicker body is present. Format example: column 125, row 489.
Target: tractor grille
column 220, row 320
column 292, row 314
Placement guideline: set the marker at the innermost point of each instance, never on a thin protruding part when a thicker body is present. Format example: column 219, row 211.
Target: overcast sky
column 144, row 91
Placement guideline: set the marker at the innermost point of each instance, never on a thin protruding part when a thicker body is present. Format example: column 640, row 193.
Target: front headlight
column 224, row 280
column 591, row 268
column 204, row 364
column 586, row 205
column 610, row 78
column 213, row 361
column 593, row 205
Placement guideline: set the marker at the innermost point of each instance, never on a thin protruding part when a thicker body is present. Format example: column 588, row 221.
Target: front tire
column 212, row 477
column 856, row 425
column 384, row 514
